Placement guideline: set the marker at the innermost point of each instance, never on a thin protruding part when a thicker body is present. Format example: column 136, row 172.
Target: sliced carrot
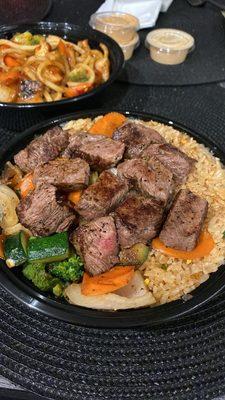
column 203, row 248
column 108, row 124
column 62, row 48
column 9, row 77
column 107, row 282
column 2, row 238
column 11, row 61
column 77, row 90
column 74, row 197
column 25, row 186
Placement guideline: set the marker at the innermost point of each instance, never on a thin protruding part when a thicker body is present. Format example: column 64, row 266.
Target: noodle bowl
column 38, row 68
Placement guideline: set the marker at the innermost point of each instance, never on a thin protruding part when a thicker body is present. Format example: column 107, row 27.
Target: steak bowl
column 13, row 281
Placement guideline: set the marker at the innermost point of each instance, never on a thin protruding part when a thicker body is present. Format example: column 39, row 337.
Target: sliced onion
column 8, row 203
column 108, row 301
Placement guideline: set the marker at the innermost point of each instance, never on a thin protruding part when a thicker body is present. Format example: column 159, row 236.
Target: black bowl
column 14, row 282
column 72, row 33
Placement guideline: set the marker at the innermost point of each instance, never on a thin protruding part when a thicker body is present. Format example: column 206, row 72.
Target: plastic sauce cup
column 169, row 46
column 118, row 25
column 129, row 48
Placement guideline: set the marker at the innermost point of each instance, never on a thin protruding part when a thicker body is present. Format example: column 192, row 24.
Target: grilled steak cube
column 184, row 223
column 64, row 174
column 101, row 197
column 173, row 159
column 136, row 137
column 152, row 179
column 43, row 214
column 138, row 220
column 99, row 151
column 96, row 243
column 42, row 149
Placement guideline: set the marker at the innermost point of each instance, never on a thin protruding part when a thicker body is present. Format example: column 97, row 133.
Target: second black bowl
column 72, row 33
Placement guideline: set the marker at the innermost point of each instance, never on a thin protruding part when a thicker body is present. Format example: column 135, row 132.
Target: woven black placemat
column 18, row 11
column 204, row 64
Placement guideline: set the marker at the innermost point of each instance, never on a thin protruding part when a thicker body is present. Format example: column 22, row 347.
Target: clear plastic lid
column 115, row 20
column 169, row 39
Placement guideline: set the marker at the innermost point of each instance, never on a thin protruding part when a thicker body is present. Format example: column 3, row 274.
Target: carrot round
column 74, row 197
column 107, row 282
column 11, row 61
column 108, row 124
column 9, row 77
column 203, row 248
column 25, row 186
column 2, row 238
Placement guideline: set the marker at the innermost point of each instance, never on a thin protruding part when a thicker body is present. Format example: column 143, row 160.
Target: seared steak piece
column 64, row 174
column 152, row 179
column 136, row 137
column 184, row 222
column 43, row 214
column 173, row 159
column 42, row 149
column 138, row 220
column 101, row 197
column 99, row 151
column 96, row 243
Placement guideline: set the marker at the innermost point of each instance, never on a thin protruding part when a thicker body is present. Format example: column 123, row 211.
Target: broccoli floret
column 70, row 270
column 36, row 273
column 58, row 290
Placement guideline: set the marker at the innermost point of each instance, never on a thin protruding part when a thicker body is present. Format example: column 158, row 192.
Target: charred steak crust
column 42, row 149
column 138, row 219
column 63, row 173
column 102, row 197
column 185, row 220
column 40, row 212
column 174, row 159
column 99, row 151
column 96, row 242
column 152, row 179
column 136, row 137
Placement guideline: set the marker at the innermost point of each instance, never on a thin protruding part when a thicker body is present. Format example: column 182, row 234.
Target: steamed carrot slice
column 203, row 248
column 108, row 124
column 9, row 77
column 2, row 238
column 11, row 61
column 74, row 197
column 107, row 282
column 26, row 185
column 62, row 48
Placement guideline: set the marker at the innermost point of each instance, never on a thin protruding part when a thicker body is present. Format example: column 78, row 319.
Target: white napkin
column 146, row 11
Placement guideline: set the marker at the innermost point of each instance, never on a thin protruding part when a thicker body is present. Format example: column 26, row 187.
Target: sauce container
column 118, row 25
column 129, row 48
column 169, row 46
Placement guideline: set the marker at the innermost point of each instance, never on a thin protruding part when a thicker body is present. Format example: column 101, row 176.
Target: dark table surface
column 199, row 107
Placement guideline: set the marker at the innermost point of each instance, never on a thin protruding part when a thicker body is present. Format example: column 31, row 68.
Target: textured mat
column 204, row 64
column 17, row 11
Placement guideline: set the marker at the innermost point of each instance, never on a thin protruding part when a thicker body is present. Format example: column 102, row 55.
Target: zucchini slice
column 49, row 249
column 15, row 249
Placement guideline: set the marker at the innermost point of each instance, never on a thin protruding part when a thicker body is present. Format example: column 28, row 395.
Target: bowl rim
column 147, row 316
column 110, row 43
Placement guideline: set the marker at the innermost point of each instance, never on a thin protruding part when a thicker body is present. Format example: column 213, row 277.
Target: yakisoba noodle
column 37, row 68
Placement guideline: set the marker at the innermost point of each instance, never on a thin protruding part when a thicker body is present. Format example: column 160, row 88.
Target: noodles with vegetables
column 38, row 68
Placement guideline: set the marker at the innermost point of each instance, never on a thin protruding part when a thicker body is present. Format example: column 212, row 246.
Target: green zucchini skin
column 15, row 249
column 48, row 249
